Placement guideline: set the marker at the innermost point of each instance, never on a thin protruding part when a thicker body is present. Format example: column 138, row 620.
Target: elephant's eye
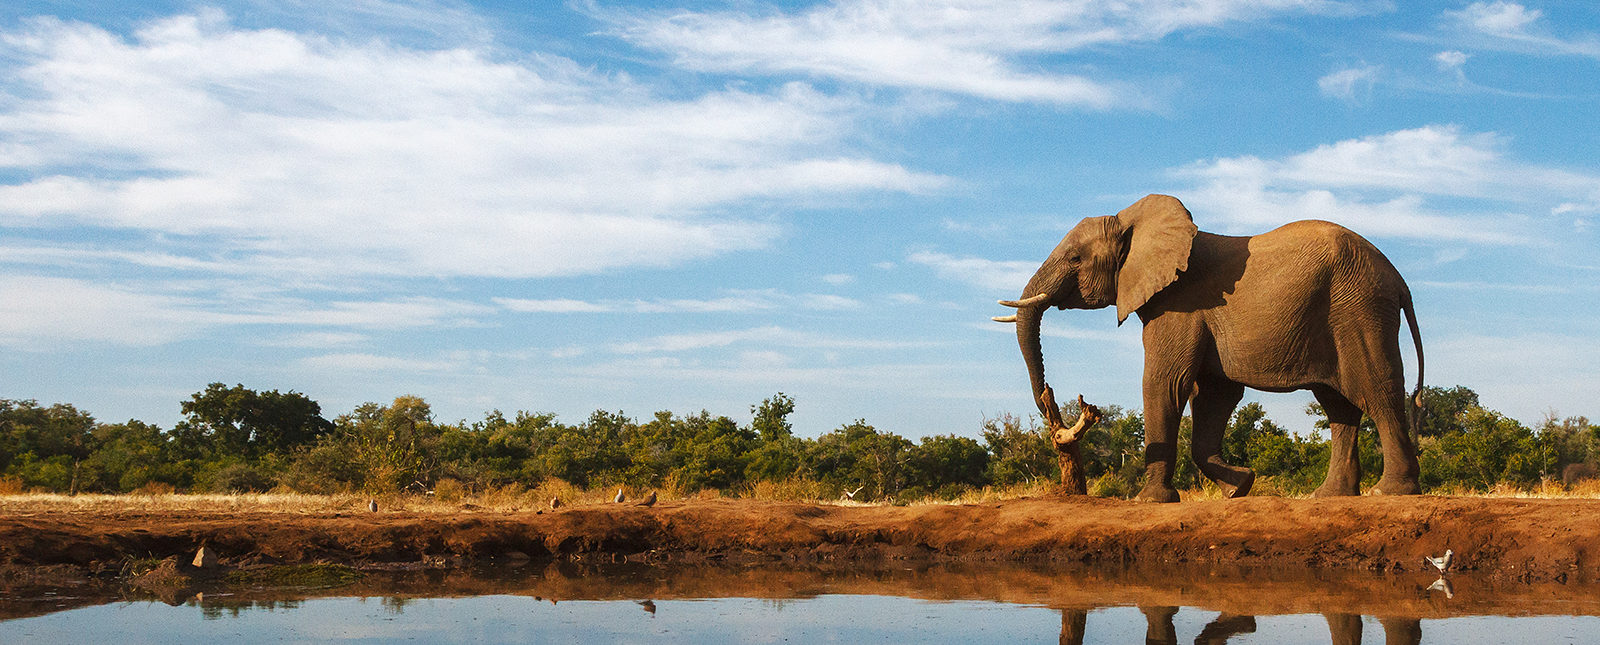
column 1076, row 258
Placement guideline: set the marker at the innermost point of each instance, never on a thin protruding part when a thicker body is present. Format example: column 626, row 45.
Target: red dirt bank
column 1524, row 539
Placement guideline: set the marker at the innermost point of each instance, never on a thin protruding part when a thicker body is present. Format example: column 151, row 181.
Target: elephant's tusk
column 1026, row 303
column 1005, row 319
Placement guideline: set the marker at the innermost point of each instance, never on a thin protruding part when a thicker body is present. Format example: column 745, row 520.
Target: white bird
column 1443, row 585
column 851, row 494
column 372, row 505
column 1442, row 564
column 619, row 498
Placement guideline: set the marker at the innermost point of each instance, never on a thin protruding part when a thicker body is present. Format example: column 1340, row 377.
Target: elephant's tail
column 1414, row 410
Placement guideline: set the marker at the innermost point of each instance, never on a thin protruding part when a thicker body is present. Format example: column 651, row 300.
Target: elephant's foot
column 1337, row 489
column 1157, row 493
column 1243, row 481
column 1397, row 486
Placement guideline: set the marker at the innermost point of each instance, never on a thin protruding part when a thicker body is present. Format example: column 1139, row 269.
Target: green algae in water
column 295, row 575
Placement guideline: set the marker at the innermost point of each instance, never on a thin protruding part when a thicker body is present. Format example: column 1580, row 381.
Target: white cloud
column 316, row 339
column 1519, row 373
column 296, row 153
column 1514, row 27
column 838, row 278
column 41, row 311
column 1450, row 60
column 1007, row 276
column 769, row 336
column 1500, row 18
column 1382, row 184
column 1350, row 84
column 356, row 362
column 554, row 306
column 981, row 48
column 740, row 300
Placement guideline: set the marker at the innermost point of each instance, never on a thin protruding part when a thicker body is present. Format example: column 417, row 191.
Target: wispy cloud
column 1514, row 27
column 298, row 153
column 1383, row 184
column 983, row 48
column 45, row 311
column 1351, row 84
column 1005, row 276
column 768, row 336
column 359, row 362
column 739, row 300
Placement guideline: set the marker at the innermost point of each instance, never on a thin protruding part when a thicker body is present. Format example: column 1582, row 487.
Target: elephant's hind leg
column 1400, row 468
column 1344, row 460
column 1213, row 403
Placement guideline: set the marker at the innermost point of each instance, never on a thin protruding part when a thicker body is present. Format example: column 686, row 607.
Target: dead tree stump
column 1065, row 439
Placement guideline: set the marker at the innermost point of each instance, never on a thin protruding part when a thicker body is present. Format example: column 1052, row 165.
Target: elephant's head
column 1122, row 259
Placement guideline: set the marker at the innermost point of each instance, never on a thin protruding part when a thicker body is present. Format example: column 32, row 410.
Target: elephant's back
column 1348, row 264
column 1297, row 290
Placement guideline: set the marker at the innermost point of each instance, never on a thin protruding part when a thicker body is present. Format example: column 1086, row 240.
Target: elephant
column 1307, row 306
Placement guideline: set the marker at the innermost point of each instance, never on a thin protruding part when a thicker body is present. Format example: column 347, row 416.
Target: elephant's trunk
column 1040, row 294
column 1028, row 319
column 1035, row 300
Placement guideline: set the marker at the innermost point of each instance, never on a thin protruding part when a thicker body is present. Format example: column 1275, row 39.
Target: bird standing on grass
column 372, row 505
column 555, row 503
column 1442, row 564
column 620, row 499
column 649, row 500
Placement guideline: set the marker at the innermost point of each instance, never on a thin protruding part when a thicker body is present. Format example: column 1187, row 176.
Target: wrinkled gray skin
column 1307, row 306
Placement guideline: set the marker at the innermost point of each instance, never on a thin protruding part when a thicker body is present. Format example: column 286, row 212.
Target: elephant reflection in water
column 1344, row 628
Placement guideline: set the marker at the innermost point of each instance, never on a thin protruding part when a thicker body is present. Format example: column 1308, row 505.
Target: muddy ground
column 1525, row 540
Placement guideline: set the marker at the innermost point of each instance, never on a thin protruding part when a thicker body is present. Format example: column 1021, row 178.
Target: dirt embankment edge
column 1521, row 539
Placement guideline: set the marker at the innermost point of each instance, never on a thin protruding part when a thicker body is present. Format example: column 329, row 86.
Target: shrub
column 1575, row 473
column 1112, row 485
column 241, row 478
column 449, row 490
column 152, row 489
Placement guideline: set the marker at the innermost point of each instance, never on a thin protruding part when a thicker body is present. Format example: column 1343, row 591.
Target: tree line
column 234, row 439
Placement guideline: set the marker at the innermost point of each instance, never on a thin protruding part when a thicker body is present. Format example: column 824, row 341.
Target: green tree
column 1490, row 448
column 242, row 422
column 1443, row 409
column 946, row 465
column 1017, row 453
column 857, row 455
column 777, row 455
column 44, row 445
column 771, row 421
column 392, row 445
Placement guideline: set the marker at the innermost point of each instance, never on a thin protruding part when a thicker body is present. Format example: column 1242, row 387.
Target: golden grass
column 454, row 498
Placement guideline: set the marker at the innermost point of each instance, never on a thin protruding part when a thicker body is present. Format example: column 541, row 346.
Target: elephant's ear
column 1160, row 232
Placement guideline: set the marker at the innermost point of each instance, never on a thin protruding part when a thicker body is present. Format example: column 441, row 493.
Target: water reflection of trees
column 1344, row 629
column 215, row 609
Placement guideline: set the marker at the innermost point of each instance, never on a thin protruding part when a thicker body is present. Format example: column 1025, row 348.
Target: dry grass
column 454, row 498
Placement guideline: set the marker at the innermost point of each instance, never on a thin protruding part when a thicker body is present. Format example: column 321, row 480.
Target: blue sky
column 564, row 207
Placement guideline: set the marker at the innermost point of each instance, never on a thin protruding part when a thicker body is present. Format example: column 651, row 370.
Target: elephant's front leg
column 1162, row 409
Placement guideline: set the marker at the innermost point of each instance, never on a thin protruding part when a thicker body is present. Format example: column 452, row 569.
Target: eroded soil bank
column 1511, row 539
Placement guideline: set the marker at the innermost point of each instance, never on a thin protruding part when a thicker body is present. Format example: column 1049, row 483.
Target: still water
column 640, row 604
